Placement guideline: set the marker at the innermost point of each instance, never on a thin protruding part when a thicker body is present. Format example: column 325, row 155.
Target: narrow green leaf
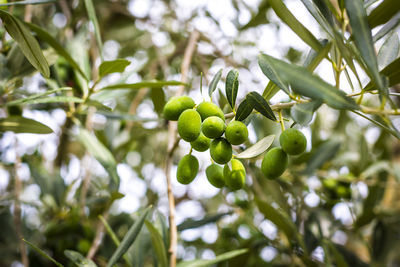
column 35, row 96
column 302, row 113
column 244, row 110
column 92, row 16
column 19, row 124
column 46, row 37
column 214, row 82
column 117, row 65
column 231, row 87
column 42, row 253
column 363, row 40
column 286, row 16
column 261, row 105
column 219, row 258
column 190, row 223
column 391, row 25
column 129, row 238
column 268, row 69
column 257, row 148
column 158, row 97
column 101, row 153
column 98, row 105
column 259, row 17
column 389, row 50
column 158, row 244
column 28, row 44
column 140, row 85
column 28, row 2
column 48, row 99
column 79, row 259
column 322, row 154
column 393, row 132
column 305, row 83
column 383, row 13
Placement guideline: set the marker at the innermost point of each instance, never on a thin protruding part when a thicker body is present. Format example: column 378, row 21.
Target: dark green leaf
column 261, row 105
column 140, row 85
column 117, row 65
column 322, row 154
column 243, row 111
column 286, row 16
column 363, row 40
column 19, row 124
column 158, row 244
column 211, row 218
column 257, row 148
column 45, row 36
column 47, row 99
column 389, row 50
column 269, row 71
column 219, row 258
column 129, row 238
column 28, row 44
column 231, row 87
column 92, row 16
column 383, row 13
column 42, row 253
column 214, row 82
column 78, row 259
column 302, row 113
column 158, row 98
column 101, row 153
column 28, row 2
column 305, row 83
column 260, row 17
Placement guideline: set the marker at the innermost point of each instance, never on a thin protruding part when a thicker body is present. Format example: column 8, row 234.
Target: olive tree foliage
column 83, row 85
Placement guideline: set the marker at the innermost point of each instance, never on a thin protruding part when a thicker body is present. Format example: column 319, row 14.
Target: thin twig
column 172, row 144
column 17, row 210
column 98, row 238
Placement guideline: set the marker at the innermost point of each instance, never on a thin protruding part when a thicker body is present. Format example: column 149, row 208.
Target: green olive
column 188, row 167
column 235, row 176
column 213, row 127
column 215, row 175
column 201, row 144
column 274, row 163
column 189, row 125
column 221, row 150
column 176, row 105
column 293, row 141
column 236, row 132
column 208, row 109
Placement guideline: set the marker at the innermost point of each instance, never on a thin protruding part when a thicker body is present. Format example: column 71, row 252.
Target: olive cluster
column 275, row 161
column 203, row 126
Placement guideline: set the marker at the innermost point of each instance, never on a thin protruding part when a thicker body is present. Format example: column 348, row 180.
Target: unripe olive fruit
column 221, row 150
column 208, row 109
column 236, row 132
column 189, row 125
column 293, row 142
column 188, row 167
column 215, row 175
column 201, row 144
column 213, row 127
column 274, row 163
column 235, row 177
column 176, row 105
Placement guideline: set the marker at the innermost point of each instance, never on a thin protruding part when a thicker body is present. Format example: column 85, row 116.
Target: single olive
column 221, row 150
column 188, row 167
column 235, row 175
column 274, row 163
column 213, row 127
column 208, row 109
column 201, row 144
column 293, row 141
column 176, row 105
column 189, row 125
column 236, row 132
column 215, row 175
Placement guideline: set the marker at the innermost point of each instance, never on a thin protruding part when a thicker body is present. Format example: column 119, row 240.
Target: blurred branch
column 98, row 238
column 172, row 144
column 17, row 209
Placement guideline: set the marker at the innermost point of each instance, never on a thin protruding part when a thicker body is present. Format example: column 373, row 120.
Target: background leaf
column 302, row 113
column 219, row 258
column 28, row 2
column 383, row 12
column 191, row 223
column 389, row 50
column 158, row 244
column 78, row 259
column 28, row 44
column 140, row 85
column 325, row 152
column 41, row 252
column 258, row 148
column 231, row 87
column 19, row 124
column 92, row 16
column 117, row 65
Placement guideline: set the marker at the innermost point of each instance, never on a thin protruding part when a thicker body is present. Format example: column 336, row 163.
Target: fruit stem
column 281, row 120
